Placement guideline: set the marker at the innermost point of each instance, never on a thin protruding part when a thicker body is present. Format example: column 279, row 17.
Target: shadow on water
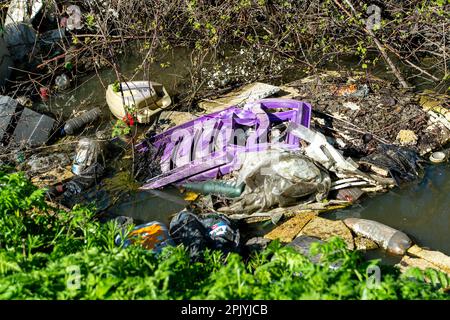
column 420, row 210
column 146, row 206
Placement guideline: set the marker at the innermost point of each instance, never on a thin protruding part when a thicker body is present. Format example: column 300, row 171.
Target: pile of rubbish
column 266, row 155
column 274, row 158
column 212, row 231
column 258, row 158
column 28, row 141
column 215, row 231
column 263, row 153
column 23, row 127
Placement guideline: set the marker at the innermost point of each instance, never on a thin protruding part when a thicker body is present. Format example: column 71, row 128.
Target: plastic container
column 390, row 239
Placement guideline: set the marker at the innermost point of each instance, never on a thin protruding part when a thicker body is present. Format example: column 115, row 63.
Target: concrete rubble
column 21, row 126
column 437, row 258
column 325, row 229
column 287, row 231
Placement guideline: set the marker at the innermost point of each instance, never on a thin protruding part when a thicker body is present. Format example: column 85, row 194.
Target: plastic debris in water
column 77, row 123
column 88, row 152
column 351, row 91
column 74, row 20
column 152, row 236
column 388, row 238
column 62, row 82
column 195, row 155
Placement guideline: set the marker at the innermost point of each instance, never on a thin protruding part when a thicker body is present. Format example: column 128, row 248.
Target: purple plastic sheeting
column 207, row 148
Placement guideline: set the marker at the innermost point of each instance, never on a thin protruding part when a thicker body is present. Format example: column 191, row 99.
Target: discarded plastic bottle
column 88, row 153
column 226, row 188
column 388, row 238
column 68, row 66
column 75, row 124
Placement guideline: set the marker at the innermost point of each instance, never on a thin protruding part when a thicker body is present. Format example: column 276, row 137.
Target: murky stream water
column 421, row 210
column 145, row 206
column 91, row 90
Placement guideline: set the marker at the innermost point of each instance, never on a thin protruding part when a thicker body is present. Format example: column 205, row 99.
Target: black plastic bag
column 214, row 231
column 401, row 163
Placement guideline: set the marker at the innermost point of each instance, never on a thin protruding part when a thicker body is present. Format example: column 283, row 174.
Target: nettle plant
column 47, row 253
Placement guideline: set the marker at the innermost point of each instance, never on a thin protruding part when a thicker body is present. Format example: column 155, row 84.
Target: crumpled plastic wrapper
column 279, row 178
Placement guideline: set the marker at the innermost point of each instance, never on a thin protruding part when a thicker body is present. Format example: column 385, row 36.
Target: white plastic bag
column 74, row 20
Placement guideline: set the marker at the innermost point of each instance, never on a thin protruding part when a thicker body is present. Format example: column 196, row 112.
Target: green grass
column 49, row 254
